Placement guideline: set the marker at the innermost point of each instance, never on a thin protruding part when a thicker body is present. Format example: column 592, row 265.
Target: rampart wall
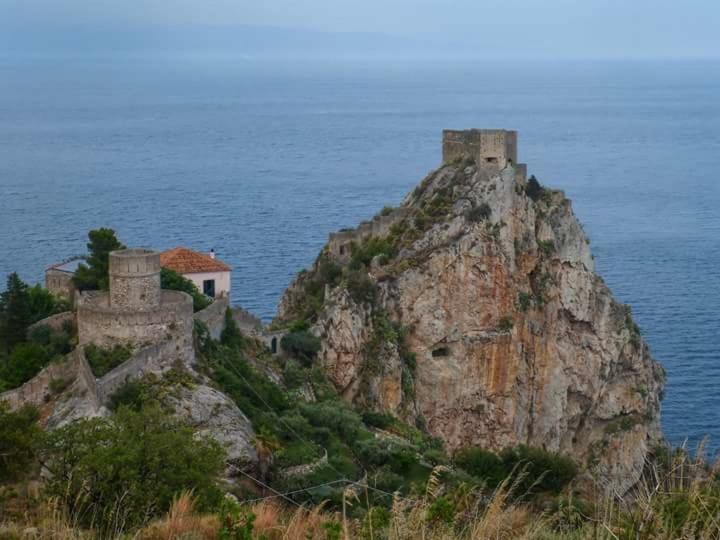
column 38, row 391
column 340, row 243
column 213, row 316
column 105, row 326
column 55, row 322
column 152, row 359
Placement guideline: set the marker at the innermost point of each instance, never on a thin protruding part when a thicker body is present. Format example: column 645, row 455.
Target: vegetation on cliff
column 23, row 355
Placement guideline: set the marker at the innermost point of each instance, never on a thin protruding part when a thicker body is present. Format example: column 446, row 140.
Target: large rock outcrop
column 480, row 315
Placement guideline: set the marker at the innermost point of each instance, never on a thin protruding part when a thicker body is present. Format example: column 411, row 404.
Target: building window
column 209, row 288
column 441, row 352
column 491, row 159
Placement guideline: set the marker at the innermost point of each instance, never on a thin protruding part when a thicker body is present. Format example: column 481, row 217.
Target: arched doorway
column 273, row 345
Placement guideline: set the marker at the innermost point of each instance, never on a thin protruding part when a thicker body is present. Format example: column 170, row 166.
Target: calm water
column 262, row 161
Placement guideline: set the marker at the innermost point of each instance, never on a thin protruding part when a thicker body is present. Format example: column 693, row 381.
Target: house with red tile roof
column 210, row 275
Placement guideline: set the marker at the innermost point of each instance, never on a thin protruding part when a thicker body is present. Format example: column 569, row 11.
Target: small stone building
column 136, row 311
column 59, row 278
column 209, row 274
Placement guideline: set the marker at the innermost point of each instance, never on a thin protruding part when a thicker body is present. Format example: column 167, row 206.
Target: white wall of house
column 222, row 281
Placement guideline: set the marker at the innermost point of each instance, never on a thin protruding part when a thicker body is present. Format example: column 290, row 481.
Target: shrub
column 231, row 335
column 524, row 301
column 132, row 395
column 364, row 253
column 373, row 453
column 442, row 509
column 171, row 280
column 378, row 420
column 26, row 361
column 479, row 213
column 506, row 324
column 302, row 346
column 547, row 247
column 337, row 416
column 533, row 189
column 102, row 360
column 482, row 464
column 361, row 287
column 546, row 471
column 126, row 469
column 19, row 435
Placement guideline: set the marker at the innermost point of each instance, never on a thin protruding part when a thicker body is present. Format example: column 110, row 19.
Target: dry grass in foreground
column 677, row 499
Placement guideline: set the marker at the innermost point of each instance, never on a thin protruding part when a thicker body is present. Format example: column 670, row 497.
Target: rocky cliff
column 478, row 315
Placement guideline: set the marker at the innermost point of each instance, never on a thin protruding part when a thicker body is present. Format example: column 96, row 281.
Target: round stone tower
column 135, row 279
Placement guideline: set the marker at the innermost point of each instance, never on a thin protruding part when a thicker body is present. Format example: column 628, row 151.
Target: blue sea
column 261, row 159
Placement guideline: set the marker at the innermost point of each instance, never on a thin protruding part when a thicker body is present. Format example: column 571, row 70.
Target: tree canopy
column 169, row 279
column 126, row 469
column 94, row 274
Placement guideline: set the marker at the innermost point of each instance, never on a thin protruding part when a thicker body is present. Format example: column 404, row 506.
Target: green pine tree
column 15, row 313
column 94, row 274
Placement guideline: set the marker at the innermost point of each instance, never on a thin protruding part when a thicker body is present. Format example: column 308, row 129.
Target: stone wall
column 249, row 324
column 213, row 316
column 172, row 320
column 153, row 359
column 340, row 243
column 60, row 283
column 56, row 323
column 38, row 390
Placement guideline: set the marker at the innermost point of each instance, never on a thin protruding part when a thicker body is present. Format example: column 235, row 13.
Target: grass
column 677, row 499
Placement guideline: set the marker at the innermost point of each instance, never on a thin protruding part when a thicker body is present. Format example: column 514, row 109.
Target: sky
column 497, row 28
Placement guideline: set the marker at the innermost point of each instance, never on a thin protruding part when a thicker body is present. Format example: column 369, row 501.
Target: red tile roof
column 186, row 261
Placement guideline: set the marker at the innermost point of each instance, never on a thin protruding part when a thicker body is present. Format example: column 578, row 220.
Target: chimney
column 212, row 253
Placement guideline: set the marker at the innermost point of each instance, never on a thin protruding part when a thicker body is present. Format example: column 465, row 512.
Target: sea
column 260, row 159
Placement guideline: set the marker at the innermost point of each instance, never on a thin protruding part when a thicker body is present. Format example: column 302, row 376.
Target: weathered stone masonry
column 136, row 311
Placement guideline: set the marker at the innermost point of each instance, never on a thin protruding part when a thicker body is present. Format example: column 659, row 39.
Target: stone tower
column 135, row 279
column 496, row 147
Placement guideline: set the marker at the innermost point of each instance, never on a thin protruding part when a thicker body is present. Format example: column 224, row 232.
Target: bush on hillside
column 19, row 435
column 544, row 471
column 169, row 279
column 104, row 360
column 533, row 189
column 478, row 213
column 120, row 472
column 302, row 346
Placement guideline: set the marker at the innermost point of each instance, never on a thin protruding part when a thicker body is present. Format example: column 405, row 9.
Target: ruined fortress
column 136, row 311
column 156, row 324
column 492, row 150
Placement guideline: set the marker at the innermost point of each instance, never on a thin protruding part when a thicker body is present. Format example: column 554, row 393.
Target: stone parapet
column 103, row 325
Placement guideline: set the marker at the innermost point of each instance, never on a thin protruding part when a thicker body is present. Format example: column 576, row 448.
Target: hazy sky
column 514, row 27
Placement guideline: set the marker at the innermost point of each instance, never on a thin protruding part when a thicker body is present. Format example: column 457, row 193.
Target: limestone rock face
column 513, row 337
column 215, row 415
